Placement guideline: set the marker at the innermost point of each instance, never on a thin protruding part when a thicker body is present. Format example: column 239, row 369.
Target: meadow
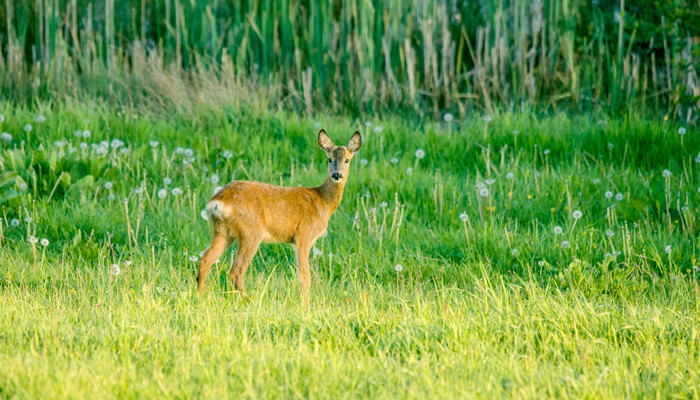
column 509, row 255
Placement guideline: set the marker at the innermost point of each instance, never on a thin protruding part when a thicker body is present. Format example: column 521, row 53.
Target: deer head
column 339, row 157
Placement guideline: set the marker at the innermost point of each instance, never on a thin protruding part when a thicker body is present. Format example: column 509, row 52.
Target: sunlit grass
column 504, row 288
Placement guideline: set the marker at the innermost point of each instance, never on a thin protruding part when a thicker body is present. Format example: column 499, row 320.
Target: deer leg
column 302, row 250
column 218, row 245
column 247, row 247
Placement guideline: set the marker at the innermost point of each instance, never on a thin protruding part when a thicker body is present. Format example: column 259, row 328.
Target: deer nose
column 336, row 176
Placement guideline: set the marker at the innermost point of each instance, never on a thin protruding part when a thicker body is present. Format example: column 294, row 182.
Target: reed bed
column 431, row 57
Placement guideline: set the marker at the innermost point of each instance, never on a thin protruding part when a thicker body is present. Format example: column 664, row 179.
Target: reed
column 381, row 55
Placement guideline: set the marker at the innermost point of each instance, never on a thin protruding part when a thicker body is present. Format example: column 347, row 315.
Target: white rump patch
column 218, row 209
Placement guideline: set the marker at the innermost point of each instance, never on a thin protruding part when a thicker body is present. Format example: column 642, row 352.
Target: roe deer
column 255, row 212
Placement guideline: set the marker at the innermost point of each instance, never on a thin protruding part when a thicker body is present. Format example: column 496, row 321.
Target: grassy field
column 542, row 256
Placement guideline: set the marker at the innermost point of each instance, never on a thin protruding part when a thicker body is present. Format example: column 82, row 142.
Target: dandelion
column 577, row 214
column 2, row 118
column 483, row 192
column 58, row 144
column 541, row 263
column 179, row 150
column 546, row 151
column 464, row 217
column 609, row 195
column 6, row 136
column 111, row 197
column 23, row 186
column 448, row 117
column 619, row 197
column 383, row 204
column 83, row 146
column 176, row 191
column 364, row 162
column 116, row 143
column 378, row 129
column 558, row 230
column 124, row 150
column 86, row 134
column 666, row 173
column 368, row 123
column 40, row 119
column 28, row 128
column 193, row 258
column 596, row 181
column 28, row 220
column 32, row 239
column 420, row 153
column 681, row 130
column 398, row 268
column 510, row 176
column 409, row 171
column 162, row 193
column 668, row 249
column 14, row 222
column 515, row 252
column 108, row 185
column 316, row 251
column 114, row 270
column 204, row 214
column 189, row 152
column 489, row 182
column 167, row 181
column 228, row 154
column 153, row 143
column 516, row 132
column 214, row 179
column 697, row 159
column 127, row 263
column 395, row 160
column 616, row 253
column 565, row 244
column 611, row 146
column 487, row 118
column 44, row 242
column 609, row 233
column 101, row 151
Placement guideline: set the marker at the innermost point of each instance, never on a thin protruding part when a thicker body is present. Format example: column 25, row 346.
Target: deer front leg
column 218, row 245
column 304, row 270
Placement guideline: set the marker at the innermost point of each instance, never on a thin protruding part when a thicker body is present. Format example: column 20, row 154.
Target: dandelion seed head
column 179, row 150
column 510, row 176
column 483, row 192
column 2, row 118
column 378, row 129
column 668, row 249
column 516, row 132
column 193, row 258
column 114, row 270
column 609, row 194
column 558, row 230
column 228, row 154
column 368, row 123
column 23, row 186
column 83, row 146
column 395, row 160
column 464, row 217
column 116, row 143
column 487, row 118
column 14, row 222
column 609, row 232
column 409, row 171
column 448, row 117
column 32, row 239
column 153, row 143
column 666, row 173
column 611, row 145
column 111, row 197
column 86, row 134
column 619, row 197
column 167, row 181
column 565, row 244
column 316, row 251
column 176, row 191
column 189, row 152
column 489, row 181
column 364, row 162
column 681, row 130
column 44, row 242
column 577, row 214
column 108, row 185
column 546, row 151
column 214, row 179
column 420, row 153
column 6, row 136
column 28, row 128
column 398, row 268
column 515, row 252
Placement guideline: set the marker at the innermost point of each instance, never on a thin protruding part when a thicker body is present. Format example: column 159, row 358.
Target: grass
column 376, row 56
column 492, row 300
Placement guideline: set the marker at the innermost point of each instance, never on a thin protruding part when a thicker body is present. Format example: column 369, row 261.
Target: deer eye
column 347, row 160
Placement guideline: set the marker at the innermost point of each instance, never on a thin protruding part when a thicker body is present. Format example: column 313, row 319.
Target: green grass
column 498, row 306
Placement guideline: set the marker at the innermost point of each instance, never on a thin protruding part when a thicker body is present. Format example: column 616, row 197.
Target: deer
column 254, row 212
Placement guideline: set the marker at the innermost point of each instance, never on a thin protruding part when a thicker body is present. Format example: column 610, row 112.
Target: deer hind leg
column 247, row 247
column 219, row 244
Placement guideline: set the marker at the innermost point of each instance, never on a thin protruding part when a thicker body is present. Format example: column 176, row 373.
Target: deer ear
column 324, row 141
column 355, row 142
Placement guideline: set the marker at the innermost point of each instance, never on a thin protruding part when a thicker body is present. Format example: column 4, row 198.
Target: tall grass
column 358, row 56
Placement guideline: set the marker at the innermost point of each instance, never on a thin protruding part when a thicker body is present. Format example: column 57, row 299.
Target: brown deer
column 255, row 212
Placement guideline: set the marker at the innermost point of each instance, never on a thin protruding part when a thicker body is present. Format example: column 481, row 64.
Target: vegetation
column 358, row 56
column 503, row 288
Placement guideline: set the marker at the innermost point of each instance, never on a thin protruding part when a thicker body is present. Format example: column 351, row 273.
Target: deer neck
column 331, row 193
